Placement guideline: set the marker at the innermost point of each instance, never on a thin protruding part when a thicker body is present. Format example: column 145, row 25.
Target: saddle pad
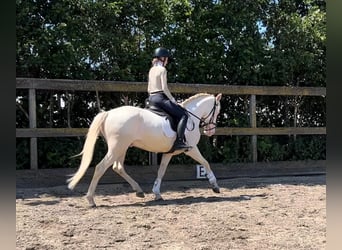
column 167, row 130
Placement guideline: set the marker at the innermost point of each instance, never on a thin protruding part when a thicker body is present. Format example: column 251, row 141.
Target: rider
column 160, row 96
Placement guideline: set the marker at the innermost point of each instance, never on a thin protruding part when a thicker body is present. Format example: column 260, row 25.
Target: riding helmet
column 161, row 52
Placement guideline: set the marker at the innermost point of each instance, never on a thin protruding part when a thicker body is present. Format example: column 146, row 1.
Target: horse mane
column 191, row 98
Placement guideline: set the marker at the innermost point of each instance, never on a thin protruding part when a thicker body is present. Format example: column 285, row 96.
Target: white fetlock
column 156, row 187
column 211, row 177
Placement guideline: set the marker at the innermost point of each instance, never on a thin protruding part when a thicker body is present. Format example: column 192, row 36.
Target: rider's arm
column 164, row 86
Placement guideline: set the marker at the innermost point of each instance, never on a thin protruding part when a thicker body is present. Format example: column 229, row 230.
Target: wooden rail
column 32, row 84
column 186, row 88
column 70, row 132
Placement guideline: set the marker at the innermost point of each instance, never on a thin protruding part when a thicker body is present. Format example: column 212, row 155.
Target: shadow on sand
column 174, row 186
column 186, row 201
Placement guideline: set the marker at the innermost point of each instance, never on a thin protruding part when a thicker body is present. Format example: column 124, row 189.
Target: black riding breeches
column 160, row 100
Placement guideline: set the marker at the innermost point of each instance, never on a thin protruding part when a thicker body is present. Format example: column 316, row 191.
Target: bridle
column 203, row 122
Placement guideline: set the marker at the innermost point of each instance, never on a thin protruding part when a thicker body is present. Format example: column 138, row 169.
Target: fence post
column 33, row 124
column 153, row 158
column 252, row 118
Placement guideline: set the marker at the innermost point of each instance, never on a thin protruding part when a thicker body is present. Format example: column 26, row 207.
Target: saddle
column 173, row 121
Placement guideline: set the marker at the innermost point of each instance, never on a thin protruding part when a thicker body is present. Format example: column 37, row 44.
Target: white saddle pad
column 167, row 130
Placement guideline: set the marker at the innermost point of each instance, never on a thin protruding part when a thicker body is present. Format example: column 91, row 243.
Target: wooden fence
column 32, row 84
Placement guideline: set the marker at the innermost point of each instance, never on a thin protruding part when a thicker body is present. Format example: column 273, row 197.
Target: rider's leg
column 182, row 117
column 178, row 113
column 180, row 140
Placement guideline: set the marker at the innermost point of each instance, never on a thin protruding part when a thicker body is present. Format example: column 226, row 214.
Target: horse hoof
column 91, row 202
column 216, row 190
column 158, row 198
column 140, row 194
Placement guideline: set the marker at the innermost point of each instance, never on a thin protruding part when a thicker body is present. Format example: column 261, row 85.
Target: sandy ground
column 249, row 213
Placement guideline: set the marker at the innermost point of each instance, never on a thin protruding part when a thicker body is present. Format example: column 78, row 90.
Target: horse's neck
column 199, row 107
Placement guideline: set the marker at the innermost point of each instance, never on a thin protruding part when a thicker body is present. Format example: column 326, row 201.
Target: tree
column 254, row 42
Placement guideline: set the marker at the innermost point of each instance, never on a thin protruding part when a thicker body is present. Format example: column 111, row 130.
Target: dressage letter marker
column 201, row 172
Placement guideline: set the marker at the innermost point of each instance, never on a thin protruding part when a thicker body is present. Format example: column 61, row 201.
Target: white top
column 157, row 81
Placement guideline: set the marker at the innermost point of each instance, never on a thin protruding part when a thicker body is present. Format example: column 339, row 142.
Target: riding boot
column 179, row 143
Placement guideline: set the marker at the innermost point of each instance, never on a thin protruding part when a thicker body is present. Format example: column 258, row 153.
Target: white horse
column 129, row 126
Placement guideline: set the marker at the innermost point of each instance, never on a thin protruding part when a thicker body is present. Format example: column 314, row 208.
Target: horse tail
column 88, row 148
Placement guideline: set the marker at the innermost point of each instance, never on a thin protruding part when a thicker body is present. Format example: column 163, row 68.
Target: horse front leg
column 197, row 156
column 161, row 172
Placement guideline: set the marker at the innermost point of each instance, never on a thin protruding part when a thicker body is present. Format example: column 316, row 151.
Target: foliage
column 286, row 148
column 22, row 153
column 254, row 42
column 57, row 152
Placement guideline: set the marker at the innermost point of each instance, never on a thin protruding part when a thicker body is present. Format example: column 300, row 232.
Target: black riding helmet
column 161, row 52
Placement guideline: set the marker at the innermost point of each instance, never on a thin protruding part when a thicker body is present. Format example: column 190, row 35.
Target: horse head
column 205, row 108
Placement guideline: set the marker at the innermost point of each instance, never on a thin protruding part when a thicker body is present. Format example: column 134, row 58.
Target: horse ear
column 218, row 97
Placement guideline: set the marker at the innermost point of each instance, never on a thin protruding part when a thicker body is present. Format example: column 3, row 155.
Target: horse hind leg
column 118, row 167
column 100, row 169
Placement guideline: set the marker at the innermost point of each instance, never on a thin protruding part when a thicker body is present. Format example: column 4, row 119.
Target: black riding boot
column 179, row 143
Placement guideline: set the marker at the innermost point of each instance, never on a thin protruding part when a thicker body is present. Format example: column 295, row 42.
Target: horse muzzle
column 209, row 130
